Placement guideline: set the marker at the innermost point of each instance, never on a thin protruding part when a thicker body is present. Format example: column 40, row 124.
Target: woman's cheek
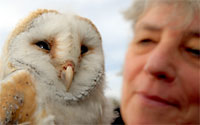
column 128, row 66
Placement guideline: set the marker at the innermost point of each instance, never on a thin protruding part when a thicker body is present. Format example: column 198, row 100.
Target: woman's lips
column 159, row 101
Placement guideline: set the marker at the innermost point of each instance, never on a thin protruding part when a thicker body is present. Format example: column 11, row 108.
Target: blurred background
column 105, row 14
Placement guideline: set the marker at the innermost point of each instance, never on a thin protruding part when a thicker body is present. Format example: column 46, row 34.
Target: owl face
column 62, row 49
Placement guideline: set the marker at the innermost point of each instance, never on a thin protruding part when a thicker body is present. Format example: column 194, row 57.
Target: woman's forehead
column 165, row 15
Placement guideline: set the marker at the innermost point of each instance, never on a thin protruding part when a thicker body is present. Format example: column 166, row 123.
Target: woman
column 161, row 82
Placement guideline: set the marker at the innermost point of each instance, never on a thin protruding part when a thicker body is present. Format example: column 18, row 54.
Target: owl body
column 52, row 72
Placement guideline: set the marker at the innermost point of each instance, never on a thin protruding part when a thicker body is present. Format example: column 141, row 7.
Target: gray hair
column 188, row 7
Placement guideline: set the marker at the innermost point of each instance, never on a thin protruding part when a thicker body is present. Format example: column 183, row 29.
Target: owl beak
column 69, row 74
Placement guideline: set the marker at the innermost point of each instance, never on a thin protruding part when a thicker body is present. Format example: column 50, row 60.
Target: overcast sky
column 105, row 14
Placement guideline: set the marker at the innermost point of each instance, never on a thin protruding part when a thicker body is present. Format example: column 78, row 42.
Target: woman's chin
column 142, row 111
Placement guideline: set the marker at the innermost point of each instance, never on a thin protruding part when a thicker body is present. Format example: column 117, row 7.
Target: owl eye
column 43, row 45
column 84, row 49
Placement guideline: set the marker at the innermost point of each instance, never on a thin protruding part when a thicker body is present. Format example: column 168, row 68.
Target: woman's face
column 162, row 70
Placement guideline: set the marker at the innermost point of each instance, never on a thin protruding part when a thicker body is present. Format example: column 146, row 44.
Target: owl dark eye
column 84, row 49
column 43, row 45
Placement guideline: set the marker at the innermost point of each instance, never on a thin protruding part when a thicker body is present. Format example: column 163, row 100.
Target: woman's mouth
column 158, row 101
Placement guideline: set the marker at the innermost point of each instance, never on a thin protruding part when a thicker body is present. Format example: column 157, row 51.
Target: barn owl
column 52, row 72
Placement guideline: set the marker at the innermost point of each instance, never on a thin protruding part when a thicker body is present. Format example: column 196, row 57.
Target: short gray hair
column 189, row 7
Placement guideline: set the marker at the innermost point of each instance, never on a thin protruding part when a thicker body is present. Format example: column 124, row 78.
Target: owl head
column 63, row 50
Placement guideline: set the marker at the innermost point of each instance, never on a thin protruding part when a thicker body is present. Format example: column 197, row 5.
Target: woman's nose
column 160, row 64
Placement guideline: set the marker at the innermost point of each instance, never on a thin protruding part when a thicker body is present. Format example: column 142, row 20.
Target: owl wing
column 17, row 98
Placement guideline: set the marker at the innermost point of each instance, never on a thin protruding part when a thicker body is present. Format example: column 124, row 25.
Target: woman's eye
column 145, row 41
column 84, row 49
column 43, row 45
column 194, row 52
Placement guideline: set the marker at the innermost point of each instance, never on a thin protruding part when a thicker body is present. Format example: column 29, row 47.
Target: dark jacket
column 118, row 120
